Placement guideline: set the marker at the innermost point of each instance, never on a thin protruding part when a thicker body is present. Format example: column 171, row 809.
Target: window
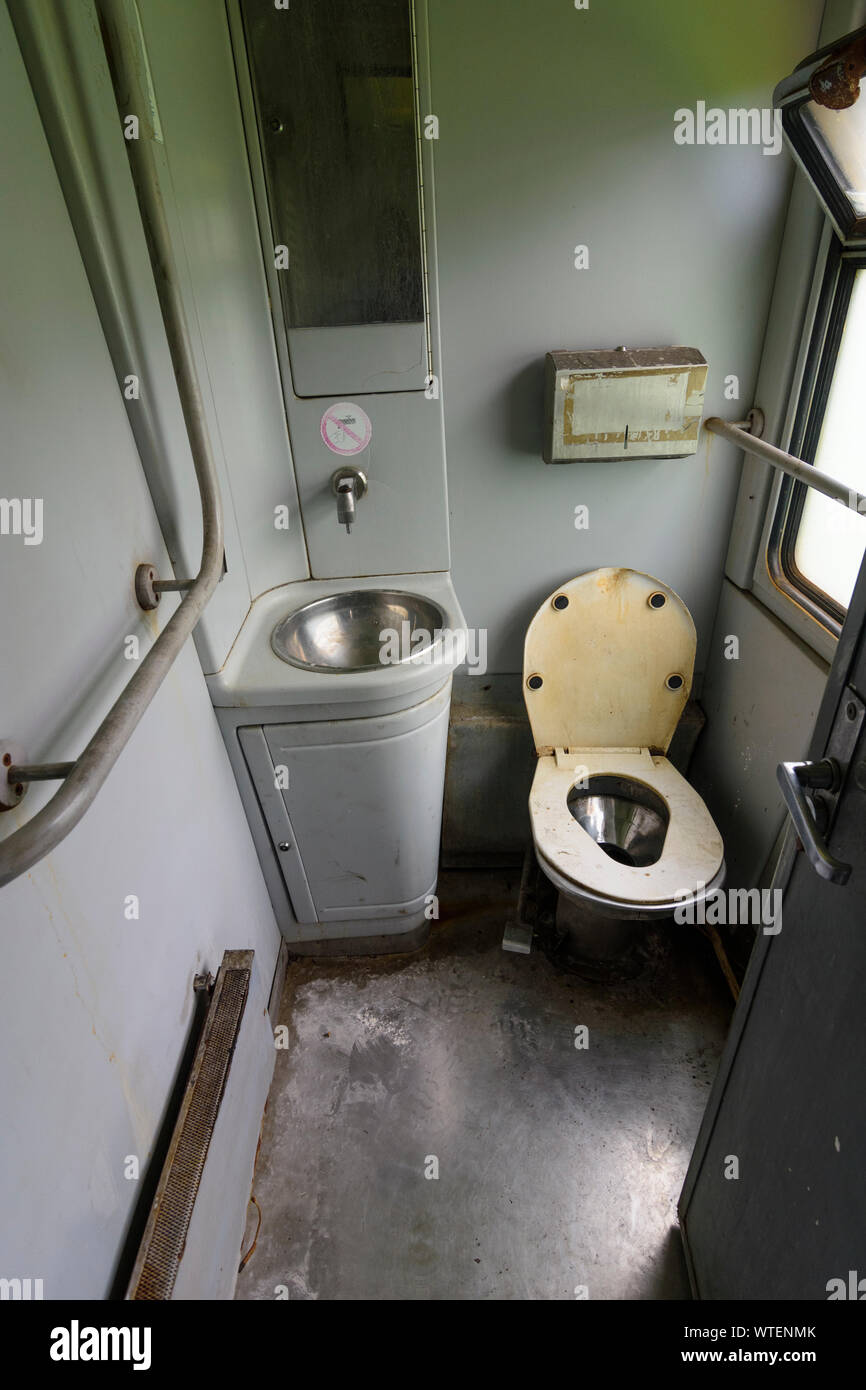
column 824, row 119
column 798, row 551
column 817, row 545
column 839, row 144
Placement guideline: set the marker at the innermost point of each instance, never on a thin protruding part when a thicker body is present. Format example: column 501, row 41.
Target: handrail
column 39, row 836
column 787, row 463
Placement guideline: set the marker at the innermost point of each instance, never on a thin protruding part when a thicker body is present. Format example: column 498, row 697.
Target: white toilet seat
column 692, row 854
column 607, row 670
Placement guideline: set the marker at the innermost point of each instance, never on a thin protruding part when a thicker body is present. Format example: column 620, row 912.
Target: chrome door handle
column 824, row 775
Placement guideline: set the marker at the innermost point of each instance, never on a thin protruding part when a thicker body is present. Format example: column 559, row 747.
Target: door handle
column 793, row 779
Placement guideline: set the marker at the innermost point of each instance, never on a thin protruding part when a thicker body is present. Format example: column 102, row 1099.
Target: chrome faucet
column 349, row 485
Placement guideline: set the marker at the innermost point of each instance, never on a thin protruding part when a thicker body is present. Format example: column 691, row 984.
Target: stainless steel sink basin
column 359, row 631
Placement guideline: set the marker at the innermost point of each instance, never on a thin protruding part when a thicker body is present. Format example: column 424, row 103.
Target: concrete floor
column 558, row 1167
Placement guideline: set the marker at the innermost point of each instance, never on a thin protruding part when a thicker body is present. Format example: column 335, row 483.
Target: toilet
column 617, row 830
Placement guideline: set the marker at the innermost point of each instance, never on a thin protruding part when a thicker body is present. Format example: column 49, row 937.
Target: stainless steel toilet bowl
column 626, row 818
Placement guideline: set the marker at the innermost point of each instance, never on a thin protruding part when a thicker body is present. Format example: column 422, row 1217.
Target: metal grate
column 165, row 1235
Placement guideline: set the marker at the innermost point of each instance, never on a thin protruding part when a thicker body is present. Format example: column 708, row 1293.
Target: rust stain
column 612, row 579
column 836, row 84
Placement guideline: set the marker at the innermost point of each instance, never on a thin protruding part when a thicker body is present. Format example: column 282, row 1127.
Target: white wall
column 556, row 129
column 760, row 710
column 95, row 1009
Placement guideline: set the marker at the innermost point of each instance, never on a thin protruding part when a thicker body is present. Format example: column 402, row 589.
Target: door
column 774, row 1203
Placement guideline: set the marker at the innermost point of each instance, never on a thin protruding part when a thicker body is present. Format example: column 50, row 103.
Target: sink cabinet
column 349, row 815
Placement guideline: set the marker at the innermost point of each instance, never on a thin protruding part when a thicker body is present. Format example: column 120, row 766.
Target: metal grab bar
column 39, row 836
column 787, row 463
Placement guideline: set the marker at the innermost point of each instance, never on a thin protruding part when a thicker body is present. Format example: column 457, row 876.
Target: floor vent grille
column 165, row 1235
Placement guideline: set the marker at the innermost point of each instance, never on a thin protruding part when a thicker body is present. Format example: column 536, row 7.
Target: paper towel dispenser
column 623, row 403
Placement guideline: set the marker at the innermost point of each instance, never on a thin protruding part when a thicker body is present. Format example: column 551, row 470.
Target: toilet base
column 601, row 949
column 595, row 938
column 599, row 945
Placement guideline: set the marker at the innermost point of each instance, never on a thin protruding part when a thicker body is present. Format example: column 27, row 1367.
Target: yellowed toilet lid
column 608, row 663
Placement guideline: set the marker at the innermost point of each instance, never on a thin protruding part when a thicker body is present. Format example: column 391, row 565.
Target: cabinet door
column 364, row 806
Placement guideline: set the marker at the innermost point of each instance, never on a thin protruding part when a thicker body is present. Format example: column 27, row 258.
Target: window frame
column 792, row 97
column 825, row 337
column 782, row 386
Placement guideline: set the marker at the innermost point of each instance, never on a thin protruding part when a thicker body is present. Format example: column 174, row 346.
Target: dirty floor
column 434, row 1133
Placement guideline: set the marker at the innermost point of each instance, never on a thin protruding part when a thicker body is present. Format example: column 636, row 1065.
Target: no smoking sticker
column 346, row 428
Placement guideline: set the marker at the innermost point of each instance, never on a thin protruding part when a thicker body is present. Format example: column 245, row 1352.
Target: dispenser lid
column 608, row 663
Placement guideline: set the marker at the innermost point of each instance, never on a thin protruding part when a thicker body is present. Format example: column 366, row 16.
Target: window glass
column 840, row 137
column 830, row 538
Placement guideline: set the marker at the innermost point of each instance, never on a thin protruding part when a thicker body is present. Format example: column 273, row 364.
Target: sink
column 344, row 632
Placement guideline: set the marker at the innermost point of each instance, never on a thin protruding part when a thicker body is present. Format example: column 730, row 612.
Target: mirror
column 334, row 93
